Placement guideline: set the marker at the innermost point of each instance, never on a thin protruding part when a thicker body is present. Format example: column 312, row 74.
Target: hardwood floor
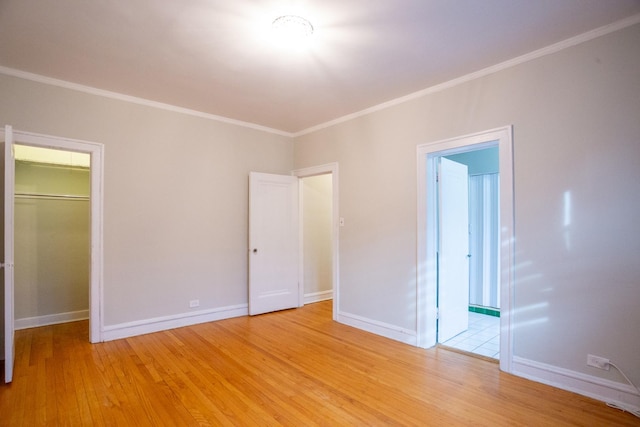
column 294, row 368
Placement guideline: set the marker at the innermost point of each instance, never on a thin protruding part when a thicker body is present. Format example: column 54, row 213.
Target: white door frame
column 427, row 155
column 331, row 168
column 96, row 151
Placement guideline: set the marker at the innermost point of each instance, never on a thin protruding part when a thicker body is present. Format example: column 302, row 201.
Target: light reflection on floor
column 482, row 337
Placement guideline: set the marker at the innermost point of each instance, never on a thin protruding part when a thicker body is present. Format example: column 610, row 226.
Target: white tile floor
column 482, row 337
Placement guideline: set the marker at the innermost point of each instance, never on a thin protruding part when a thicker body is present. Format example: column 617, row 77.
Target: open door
column 273, row 243
column 453, row 252
column 8, row 177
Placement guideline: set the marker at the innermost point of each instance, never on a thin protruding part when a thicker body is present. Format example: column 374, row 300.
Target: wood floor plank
column 293, row 368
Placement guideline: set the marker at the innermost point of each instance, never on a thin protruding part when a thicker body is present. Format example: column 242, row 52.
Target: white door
column 453, row 259
column 273, row 243
column 7, row 263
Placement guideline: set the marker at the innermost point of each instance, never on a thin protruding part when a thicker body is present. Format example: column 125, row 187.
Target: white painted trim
column 426, row 297
column 96, row 150
column 331, row 168
column 51, row 319
column 577, row 382
column 554, row 48
column 135, row 100
column 157, row 324
column 379, row 328
column 312, row 297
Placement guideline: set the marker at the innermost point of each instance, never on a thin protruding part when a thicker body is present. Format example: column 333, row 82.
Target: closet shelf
column 50, row 196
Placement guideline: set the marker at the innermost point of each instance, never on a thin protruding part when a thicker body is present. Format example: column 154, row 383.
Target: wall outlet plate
column 194, row 303
column 598, row 362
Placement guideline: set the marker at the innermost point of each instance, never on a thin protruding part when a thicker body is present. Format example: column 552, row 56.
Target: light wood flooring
column 295, row 368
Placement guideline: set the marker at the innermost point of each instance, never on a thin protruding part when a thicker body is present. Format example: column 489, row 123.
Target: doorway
column 319, row 234
column 315, row 220
column 277, row 240
column 10, row 137
column 428, row 156
column 51, row 232
column 475, row 327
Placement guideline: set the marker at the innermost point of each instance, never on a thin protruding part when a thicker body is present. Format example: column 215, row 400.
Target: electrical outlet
column 598, row 362
column 194, row 303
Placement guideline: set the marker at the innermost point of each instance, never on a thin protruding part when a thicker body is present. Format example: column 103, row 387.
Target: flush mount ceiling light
column 292, row 27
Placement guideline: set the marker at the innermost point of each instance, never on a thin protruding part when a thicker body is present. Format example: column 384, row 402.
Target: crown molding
column 135, row 100
column 556, row 47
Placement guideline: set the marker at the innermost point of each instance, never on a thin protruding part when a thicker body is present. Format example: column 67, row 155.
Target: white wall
column 576, row 118
column 175, row 195
column 317, row 221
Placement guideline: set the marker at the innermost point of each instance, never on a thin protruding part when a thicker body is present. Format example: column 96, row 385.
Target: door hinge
column 437, row 314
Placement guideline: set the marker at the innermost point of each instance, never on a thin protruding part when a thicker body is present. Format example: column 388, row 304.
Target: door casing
column 426, row 271
column 96, row 151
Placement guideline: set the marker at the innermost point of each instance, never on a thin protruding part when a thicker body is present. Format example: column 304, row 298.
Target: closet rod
column 50, row 196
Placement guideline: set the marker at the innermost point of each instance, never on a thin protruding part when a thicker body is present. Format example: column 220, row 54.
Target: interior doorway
column 316, row 215
column 471, row 223
column 51, row 236
column 319, row 234
column 95, row 151
column 428, row 156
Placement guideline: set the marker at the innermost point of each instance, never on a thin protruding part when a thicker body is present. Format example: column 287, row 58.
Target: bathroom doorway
column 478, row 329
column 429, row 239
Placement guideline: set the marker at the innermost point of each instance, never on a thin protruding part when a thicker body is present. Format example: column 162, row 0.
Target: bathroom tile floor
column 482, row 337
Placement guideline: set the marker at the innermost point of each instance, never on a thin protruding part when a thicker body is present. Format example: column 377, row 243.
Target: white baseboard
column 379, row 328
column 312, row 297
column 51, row 319
column 577, row 382
column 147, row 326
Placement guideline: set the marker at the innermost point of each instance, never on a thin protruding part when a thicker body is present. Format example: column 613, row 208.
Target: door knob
column 255, row 251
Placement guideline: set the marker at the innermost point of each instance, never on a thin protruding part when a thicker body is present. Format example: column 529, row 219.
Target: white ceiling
column 214, row 56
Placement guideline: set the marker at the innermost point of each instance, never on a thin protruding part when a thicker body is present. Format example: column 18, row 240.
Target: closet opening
column 52, row 231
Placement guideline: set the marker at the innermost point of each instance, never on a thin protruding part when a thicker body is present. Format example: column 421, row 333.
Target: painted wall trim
column 556, row 47
column 51, row 319
column 379, row 328
column 587, row 385
column 157, row 324
column 135, row 100
column 312, row 297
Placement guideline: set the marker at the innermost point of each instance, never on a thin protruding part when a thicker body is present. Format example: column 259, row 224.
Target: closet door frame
column 96, row 152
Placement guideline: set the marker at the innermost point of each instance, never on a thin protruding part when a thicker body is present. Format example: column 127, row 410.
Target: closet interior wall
column 52, row 239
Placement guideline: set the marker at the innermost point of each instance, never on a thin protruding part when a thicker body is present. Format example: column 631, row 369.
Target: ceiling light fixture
column 292, row 27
